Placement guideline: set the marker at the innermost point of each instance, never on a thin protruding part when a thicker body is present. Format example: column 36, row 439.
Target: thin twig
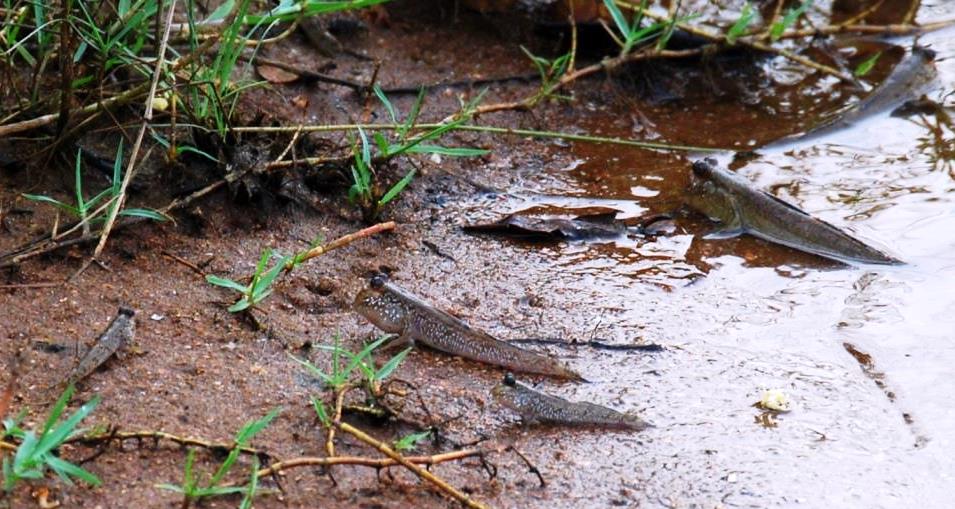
column 162, row 435
column 480, row 128
column 147, row 118
column 420, row 472
column 336, row 419
column 314, row 461
column 530, row 466
column 178, row 259
column 345, row 240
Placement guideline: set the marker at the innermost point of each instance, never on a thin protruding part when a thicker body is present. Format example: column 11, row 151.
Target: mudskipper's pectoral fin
column 401, row 341
column 725, row 233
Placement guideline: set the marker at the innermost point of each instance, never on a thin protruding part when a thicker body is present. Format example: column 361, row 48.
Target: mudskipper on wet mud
column 118, row 333
column 398, row 311
column 537, row 407
column 741, row 209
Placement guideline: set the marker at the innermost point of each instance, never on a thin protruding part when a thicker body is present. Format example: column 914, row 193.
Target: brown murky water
column 737, row 317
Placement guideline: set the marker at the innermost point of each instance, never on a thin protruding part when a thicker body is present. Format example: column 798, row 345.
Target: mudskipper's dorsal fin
column 784, row 203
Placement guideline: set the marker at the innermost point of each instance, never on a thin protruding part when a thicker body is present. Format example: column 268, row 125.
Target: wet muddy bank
column 735, row 317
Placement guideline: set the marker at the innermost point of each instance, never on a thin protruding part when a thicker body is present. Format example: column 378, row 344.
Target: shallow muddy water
column 741, row 316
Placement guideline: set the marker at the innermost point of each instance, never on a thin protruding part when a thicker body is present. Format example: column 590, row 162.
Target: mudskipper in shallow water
column 398, row 311
column 730, row 199
column 537, row 407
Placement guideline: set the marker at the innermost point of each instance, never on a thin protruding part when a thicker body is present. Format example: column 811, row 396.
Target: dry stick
column 336, row 419
column 308, row 75
column 607, row 64
column 345, row 240
column 178, row 259
column 160, row 435
column 530, row 466
column 47, row 284
column 420, row 472
column 312, row 461
column 147, row 118
column 891, row 29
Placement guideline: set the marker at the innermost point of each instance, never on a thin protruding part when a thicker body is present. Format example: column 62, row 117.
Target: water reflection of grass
column 938, row 144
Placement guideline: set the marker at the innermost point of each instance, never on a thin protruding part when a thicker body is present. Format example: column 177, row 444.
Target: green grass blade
column 253, row 485
column 26, row 457
column 226, row 283
column 448, row 151
column 252, row 428
column 397, row 188
column 739, row 28
column 618, row 18
column 321, row 375
column 384, row 100
column 360, row 357
column 60, row 433
column 66, row 470
column 779, row 27
column 79, row 184
column 221, row 12
column 392, row 364
column 863, row 68
column 155, row 215
column 365, row 148
column 58, row 408
column 412, row 116
column 52, row 201
column 263, row 260
column 321, row 411
column 240, row 305
column 118, row 167
column 169, row 487
column 266, row 281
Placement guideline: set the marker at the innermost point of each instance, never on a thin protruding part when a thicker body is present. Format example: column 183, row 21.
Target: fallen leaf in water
column 275, row 75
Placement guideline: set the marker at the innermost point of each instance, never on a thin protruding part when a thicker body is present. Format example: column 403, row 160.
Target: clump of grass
column 85, row 210
column 259, row 287
column 193, row 490
column 37, row 452
column 365, row 191
column 551, row 70
column 345, row 363
column 630, row 34
column 410, row 441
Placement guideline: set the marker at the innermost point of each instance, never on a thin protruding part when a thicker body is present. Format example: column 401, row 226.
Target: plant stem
column 419, row 471
column 487, row 129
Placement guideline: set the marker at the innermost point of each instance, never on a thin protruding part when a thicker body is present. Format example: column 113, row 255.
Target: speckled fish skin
column 537, row 407
column 119, row 332
column 397, row 311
